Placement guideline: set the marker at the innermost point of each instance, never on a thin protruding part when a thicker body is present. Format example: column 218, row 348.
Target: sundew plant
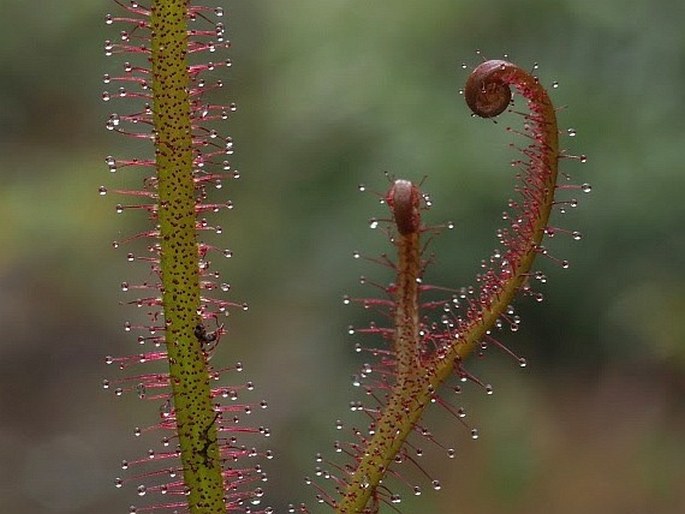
column 208, row 459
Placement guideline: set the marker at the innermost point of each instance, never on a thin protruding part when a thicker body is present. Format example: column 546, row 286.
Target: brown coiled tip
column 404, row 200
column 486, row 92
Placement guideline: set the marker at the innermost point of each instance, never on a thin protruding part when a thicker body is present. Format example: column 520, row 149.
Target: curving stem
column 418, row 377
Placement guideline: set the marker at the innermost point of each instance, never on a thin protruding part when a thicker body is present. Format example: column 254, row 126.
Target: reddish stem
column 417, row 375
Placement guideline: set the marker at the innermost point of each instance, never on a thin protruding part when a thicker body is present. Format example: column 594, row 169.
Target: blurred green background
column 331, row 94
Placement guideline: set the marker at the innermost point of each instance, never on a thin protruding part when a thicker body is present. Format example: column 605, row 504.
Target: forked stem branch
column 419, row 374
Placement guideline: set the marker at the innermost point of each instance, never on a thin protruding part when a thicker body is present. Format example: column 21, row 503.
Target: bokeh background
column 331, row 94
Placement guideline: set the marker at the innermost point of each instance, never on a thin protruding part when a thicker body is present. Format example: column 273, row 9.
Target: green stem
column 189, row 376
column 418, row 378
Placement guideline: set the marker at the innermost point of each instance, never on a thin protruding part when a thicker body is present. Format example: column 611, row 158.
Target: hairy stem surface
column 189, row 377
column 418, row 376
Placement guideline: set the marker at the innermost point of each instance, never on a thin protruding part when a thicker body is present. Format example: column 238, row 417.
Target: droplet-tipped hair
column 204, row 464
column 427, row 341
